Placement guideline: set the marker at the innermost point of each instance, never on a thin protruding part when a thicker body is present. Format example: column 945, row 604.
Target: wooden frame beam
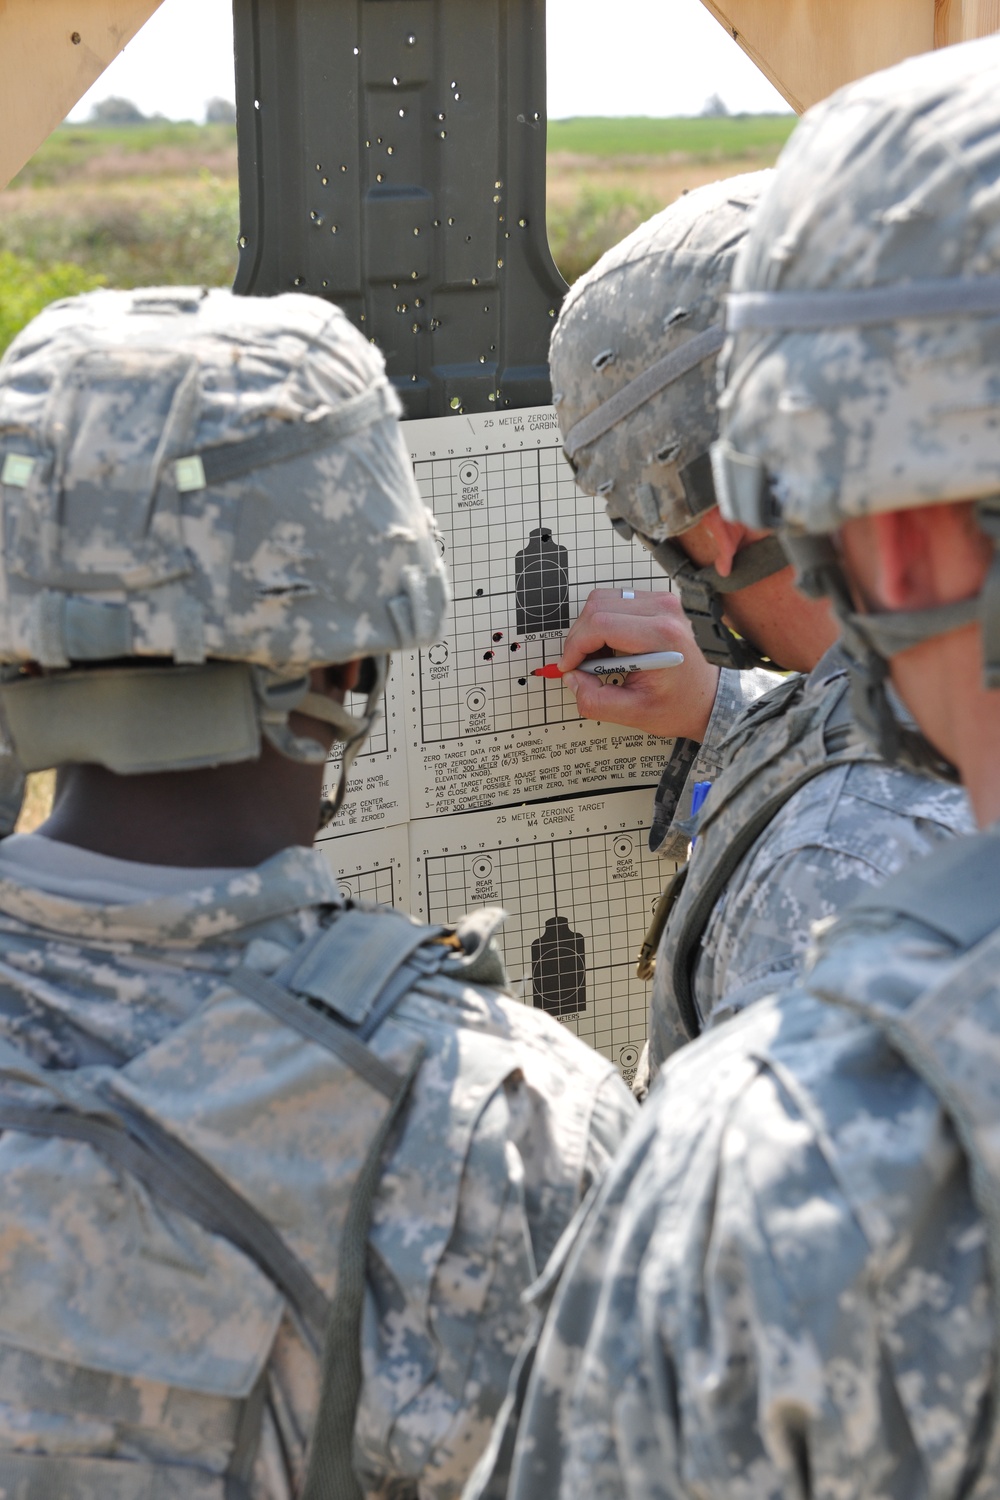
column 808, row 48
column 51, row 51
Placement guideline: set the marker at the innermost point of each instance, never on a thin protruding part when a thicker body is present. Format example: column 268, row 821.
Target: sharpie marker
column 613, row 666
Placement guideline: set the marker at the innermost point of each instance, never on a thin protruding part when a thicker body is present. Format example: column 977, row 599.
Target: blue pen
column 699, row 792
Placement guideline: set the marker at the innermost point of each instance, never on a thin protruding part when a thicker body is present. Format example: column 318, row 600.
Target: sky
column 656, row 57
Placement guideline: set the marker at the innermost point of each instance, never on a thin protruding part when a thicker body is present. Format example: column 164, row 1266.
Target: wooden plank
column 963, row 20
column 808, row 48
column 51, row 51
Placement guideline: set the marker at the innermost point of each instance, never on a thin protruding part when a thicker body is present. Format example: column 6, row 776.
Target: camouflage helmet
column 205, row 496
column 633, row 361
column 862, row 365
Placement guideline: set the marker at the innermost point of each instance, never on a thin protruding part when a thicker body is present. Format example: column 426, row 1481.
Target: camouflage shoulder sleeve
column 762, row 1292
column 511, row 1120
column 845, row 832
column 671, row 831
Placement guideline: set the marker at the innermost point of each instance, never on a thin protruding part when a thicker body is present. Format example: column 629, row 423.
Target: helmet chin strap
column 870, row 642
column 278, row 697
column 703, row 592
column 352, row 729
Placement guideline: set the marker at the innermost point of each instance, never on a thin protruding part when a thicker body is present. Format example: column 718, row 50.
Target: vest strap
column 795, row 722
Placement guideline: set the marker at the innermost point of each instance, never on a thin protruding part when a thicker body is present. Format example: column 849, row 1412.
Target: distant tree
column 715, row 107
column 220, row 112
column 115, row 111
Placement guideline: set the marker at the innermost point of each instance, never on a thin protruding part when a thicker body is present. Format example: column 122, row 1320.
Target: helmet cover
column 656, row 296
column 853, row 376
column 190, row 479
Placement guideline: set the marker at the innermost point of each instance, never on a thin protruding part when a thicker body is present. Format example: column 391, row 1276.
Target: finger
column 603, row 630
column 631, row 706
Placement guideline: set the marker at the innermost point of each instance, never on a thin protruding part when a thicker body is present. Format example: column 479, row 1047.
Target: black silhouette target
column 541, row 584
column 559, row 969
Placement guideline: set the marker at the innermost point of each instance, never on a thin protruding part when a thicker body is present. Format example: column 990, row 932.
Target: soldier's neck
column 941, row 682
column 226, row 817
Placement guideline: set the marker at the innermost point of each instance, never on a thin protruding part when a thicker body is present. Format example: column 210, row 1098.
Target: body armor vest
column 780, row 743
column 325, row 1071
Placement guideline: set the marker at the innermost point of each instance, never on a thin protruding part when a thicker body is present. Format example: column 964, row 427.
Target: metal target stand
column 392, row 159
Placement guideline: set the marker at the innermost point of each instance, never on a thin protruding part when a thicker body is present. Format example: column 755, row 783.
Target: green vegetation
column 25, row 289
column 176, row 232
column 79, row 154
column 157, row 201
column 581, row 231
column 699, row 138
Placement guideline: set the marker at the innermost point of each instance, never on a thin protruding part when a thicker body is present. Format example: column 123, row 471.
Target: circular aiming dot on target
column 628, row 1057
column 476, row 700
column 482, row 867
column 469, row 473
column 623, row 847
column 345, row 891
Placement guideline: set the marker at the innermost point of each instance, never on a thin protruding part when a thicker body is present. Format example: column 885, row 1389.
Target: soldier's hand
column 673, row 701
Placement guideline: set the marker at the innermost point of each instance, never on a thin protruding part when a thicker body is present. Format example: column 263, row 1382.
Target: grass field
column 157, row 202
column 732, row 136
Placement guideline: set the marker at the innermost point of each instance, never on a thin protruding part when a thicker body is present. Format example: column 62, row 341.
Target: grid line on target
column 524, row 546
column 579, row 909
column 375, row 885
column 377, row 742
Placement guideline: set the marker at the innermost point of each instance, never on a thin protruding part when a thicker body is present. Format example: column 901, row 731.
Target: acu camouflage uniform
column 275, row 1170
column 143, row 1353
column 803, row 817
column 787, row 1287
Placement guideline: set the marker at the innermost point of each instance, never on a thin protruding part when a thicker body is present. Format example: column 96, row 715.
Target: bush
column 181, row 233
column 26, row 288
column 115, row 111
column 220, row 112
column 580, row 233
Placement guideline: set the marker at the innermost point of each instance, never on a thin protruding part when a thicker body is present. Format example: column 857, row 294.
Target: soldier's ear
column 729, row 537
column 922, row 557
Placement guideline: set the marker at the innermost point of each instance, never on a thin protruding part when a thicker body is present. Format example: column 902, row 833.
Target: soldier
column 802, row 814
column 788, row 1284
column 276, row 1167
